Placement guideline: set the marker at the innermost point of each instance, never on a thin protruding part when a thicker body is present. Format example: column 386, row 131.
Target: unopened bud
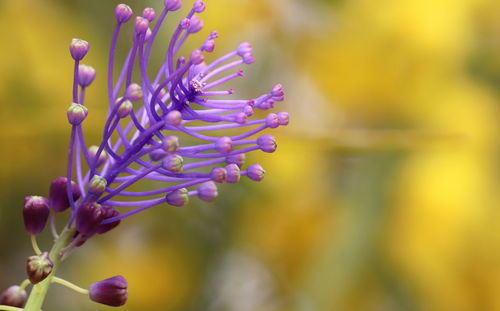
column 58, row 195
column 173, row 163
column 224, row 145
column 123, row 13
column 88, row 218
column 283, row 118
column 125, row 109
column 218, row 174
column 199, row 6
column 149, row 14
column 134, row 92
column 39, row 267
column 178, row 197
column 173, row 118
column 170, row 143
column 111, row 292
column 108, row 212
column 272, row 121
column 78, row 49
column 238, row 159
column 141, row 25
column 97, row 184
column 77, row 113
column 267, row 143
column 256, row 172
column 195, row 24
column 197, row 57
column 233, row 173
column 103, row 157
column 13, row 297
column 173, row 5
column 35, row 213
column 207, row 191
column 86, row 75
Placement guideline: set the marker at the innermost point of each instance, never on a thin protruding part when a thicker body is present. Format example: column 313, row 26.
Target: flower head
column 35, row 213
column 112, row 292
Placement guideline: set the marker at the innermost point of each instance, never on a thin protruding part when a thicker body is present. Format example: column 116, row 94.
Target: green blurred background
column 383, row 195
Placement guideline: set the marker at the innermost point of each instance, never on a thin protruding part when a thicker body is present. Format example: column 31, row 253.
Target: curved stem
column 34, row 244
column 39, row 291
column 9, row 308
column 70, row 285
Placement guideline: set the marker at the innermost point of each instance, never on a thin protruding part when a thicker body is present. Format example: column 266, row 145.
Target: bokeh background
column 383, row 195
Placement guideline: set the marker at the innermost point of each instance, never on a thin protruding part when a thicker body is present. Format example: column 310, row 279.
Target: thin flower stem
column 9, row 308
column 70, row 285
column 53, row 228
column 34, row 244
column 23, row 285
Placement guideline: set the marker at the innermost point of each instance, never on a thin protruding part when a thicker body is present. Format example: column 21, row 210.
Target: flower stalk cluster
column 175, row 124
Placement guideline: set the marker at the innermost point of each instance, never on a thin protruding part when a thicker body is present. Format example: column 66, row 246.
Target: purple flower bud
column 93, row 153
column 245, row 51
column 256, row 172
column 125, row 109
column 199, row 6
column 123, row 13
column 12, row 297
column 209, row 46
column 39, row 267
column 88, row 218
column 35, row 213
column 197, row 57
column 248, row 110
column 178, row 197
column 111, row 292
column 148, row 34
column 218, row 174
column 283, row 118
column 170, row 143
column 141, row 25
column 272, row 121
column 58, row 196
column 173, row 5
column 278, row 91
column 185, row 23
column 157, row 155
column 195, row 25
column 77, row 113
column 108, row 212
column 149, row 14
column 78, row 49
column 207, row 191
column 97, row 184
column 133, row 92
column 224, row 145
column 233, row 173
column 86, row 75
column 173, row 163
column 238, row 159
column 267, row 143
column 173, row 118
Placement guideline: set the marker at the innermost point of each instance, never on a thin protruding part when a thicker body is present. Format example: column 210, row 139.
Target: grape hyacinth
column 174, row 125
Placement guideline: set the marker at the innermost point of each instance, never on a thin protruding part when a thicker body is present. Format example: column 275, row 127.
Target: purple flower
column 13, row 297
column 184, row 129
column 111, row 292
column 58, row 195
column 35, row 213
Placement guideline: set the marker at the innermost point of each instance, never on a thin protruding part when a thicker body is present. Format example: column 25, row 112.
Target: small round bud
column 272, row 121
column 108, row 212
column 97, row 184
column 12, row 297
column 267, row 143
column 277, row 91
column 123, row 13
column 283, row 118
column 209, row 46
column 103, row 157
column 149, row 14
column 112, row 292
column 125, row 109
column 86, row 75
column 148, row 34
column 77, row 113
column 199, row 6
column 134, row 92
column 245, row 51
column 248, row 110
column 197, row 57
column 173, row 118
column 224, row 145
column 141, row 25
column 78, row 49
column 173, row 5
column 256, row 172
column 170, row 143
column 178, row 197
column 58, row 195
column 238, row 159
column 184, row 23
column 39, row 267
column 173, row 163
column 265, row 105
column 218, row 174
column 241, row 118
column 35, row 213
column 207, row 191
column 233, row 173
column 157, row 155
column 88, row 218
column 195, row 25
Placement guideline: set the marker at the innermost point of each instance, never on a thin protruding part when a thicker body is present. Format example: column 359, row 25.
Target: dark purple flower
column 88, row 218
column 111, row 292
column 35, row 213
column 109, row 212
column 58, row 195
column 13, row 297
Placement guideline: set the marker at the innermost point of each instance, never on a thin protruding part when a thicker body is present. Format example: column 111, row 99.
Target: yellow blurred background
column 384, row 192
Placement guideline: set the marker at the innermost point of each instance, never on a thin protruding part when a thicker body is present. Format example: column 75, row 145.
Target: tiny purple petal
column 108, row 212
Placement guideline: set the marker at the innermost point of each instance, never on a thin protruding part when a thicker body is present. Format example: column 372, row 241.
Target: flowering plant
column 173, row 128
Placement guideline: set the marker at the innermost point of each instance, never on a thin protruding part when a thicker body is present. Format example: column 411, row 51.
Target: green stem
column 34, row 244
column 70, row 285
column 9, row 308
column 39, row 291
